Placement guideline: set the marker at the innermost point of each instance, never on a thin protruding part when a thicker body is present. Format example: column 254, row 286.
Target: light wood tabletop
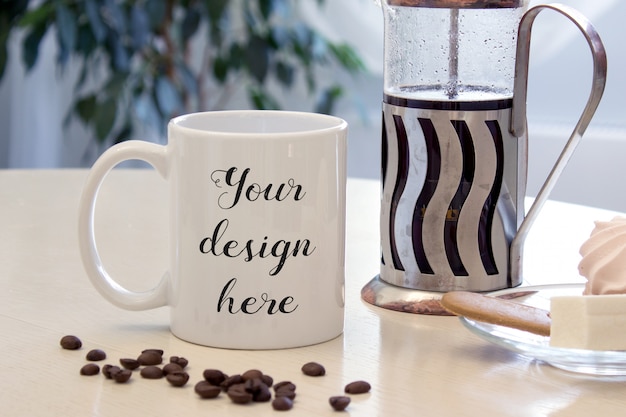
column 416, row 364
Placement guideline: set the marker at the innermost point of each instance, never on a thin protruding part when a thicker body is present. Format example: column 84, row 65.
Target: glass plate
column 593, row 362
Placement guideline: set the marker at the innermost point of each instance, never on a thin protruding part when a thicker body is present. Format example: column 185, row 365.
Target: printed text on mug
column 238, row 188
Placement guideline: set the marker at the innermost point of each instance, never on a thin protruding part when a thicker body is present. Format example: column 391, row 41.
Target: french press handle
column 518, row 116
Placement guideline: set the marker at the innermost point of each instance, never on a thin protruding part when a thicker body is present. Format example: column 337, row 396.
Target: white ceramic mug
column 257, row 228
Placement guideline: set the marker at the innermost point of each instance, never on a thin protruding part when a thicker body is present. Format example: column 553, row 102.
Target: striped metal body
column 452, row 196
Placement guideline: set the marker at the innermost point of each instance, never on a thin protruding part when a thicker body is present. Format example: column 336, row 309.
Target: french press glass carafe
column 454, row 147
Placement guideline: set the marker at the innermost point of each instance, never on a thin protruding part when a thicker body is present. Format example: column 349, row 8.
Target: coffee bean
column 156, row 351
column 339, row 403
column 129, row 363
column 313, row 369
column 151, row 372
column 96, row 355
column 253, row 385
column 285, row 384
column 259, row 390
column 70, row 342
column 251, row 374
column 357, row 387
column 267, row 380
column 214, row 376
column 283, row 392
column 262, row 395
column 206, row 390
column 171, row 367
column 177, row 378
column 282, row 404
column 178, row 360
column 238, row 394
column 122, row 376
column 231, row 380
column 285, row 389
column 90, row 369
column 150, row 357
column 109, row 371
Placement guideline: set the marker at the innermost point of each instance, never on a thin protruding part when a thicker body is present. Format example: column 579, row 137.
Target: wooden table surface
column 417, row 365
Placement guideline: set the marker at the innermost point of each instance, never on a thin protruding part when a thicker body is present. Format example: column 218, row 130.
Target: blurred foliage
column 163, row 58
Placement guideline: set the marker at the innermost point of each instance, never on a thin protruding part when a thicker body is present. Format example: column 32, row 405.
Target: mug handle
column 518, row 114
column 153, row 154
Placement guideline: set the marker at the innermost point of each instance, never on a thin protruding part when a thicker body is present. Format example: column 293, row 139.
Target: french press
column 455, row 147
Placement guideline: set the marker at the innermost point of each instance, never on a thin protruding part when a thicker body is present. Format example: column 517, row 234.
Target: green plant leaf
column 279, row 37
column 96, row 24
column 257, row 58
column 67, row 31
column 120, row 61
column 13, row 9
column 115, row 84
column 310, row 78
column 262, row 100
column 347, row 57
column 124, row 133
column 86, row 43
column 187, row 78
column 155, row 9
column 308, row 45
column 220, row 69
column 113, row 16
column 216, row 9
column 236, row 56
column 266, row 7
column 300, row 45
column 85, row 108
column 285, row 73
column 191, row 23
column 249, row 17
column 327, row 100
column 139, row 26
column 104, row 118
column 318, row 47
column 217, row 12
column 82, row 77
column 42, row 15
column 30, row 46
column 4, row 51
column 4, row 55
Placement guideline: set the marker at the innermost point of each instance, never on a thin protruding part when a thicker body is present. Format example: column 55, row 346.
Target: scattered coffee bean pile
column 250, row 386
